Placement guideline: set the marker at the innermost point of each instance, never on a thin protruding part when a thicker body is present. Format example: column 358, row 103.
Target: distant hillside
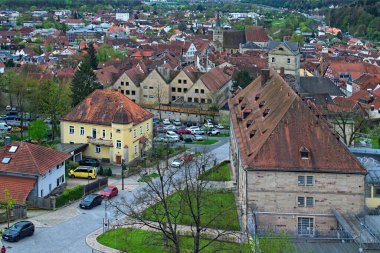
column 361, row 19
column 302, row 4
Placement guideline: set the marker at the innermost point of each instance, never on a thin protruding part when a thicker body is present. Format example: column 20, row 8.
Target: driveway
column 65, row 230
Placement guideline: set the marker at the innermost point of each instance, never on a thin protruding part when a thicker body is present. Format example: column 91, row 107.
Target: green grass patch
column 223, row 135
column 204, row 142
column 217, row 207
column 375, row 142
column 148, row 178
column 142, row 241
column 220, row 172
column 69, row 194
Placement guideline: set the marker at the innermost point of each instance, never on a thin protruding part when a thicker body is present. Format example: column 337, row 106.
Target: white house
column 122, row 16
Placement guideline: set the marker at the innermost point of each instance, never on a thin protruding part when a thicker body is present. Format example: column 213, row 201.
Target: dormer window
column 243, row 106
column 6, row 160
column 266, row 112
column 305, row 153
column 249, row 123
column 13, row 149
column 257, row 97
column 262, row 103
column 252, row 133
column 246, row 113
column 240, row 99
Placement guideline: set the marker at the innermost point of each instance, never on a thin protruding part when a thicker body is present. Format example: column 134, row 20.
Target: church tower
column 218, row 31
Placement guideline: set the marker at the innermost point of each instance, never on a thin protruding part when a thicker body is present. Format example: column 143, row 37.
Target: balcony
column 99, row 141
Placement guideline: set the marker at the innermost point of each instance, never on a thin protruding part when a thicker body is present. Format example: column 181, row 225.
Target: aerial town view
column 200, row 126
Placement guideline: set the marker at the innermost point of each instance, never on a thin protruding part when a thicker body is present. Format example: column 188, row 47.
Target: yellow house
column 113, row 126
column 373, row 197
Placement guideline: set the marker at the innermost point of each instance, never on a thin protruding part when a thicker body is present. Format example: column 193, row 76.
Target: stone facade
column 180, row 85
column 126, row 86
column 154, row 89
column 281, row 56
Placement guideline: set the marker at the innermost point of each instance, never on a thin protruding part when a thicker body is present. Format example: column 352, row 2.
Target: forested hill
column 361, row 19
column 16, row 4
column 301, row 4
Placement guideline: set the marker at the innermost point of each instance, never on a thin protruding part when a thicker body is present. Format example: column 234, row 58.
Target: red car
column 183, row 131
column 109, row 192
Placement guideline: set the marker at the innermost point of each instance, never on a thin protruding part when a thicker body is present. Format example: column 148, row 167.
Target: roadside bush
column 109, row 172
column 100, row 171
column 69, row 194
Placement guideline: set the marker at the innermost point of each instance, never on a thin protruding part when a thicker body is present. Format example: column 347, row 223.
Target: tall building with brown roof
column 291, row 169
column 114, row 127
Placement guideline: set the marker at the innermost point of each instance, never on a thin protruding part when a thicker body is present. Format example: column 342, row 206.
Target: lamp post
column 123, row 168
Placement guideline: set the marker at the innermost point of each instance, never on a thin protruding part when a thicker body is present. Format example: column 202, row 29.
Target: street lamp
column 123, row 168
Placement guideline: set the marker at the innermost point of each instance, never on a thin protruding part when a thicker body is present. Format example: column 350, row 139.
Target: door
column 118, row 159
column 305, row 226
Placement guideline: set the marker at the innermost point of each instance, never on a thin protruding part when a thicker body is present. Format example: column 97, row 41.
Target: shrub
column 109, row 172
column 100, row 171
column 69, row 194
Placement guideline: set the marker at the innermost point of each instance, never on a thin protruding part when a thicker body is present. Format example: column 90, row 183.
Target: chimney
column 264, row 76
column 282, row 71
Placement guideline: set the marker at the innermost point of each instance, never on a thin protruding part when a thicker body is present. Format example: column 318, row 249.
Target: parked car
column 176, row 163
column 187, row 138
column 189, row 124
column 208, row 125
column 4, row 126
column 214, row 132
column 193, row 128
column 198, row 132
column 172, row 134
column 91, row 201
column 166, row 122
column 109, row 192
column 187, row 157
column 183, row 131
column 12, row 116
column 170, row 128
column 18, row 231
column 177, row 122
column 83, row 172
column 198, row 137
column 159, row 138
column 219, row 126
column 89, row 162
column 15, row 129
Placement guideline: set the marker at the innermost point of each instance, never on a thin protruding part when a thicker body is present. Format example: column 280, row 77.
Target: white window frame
column 308, row 199
column 98, row 149
column 134, row 133
column 310, row 222
column 300, row 201
column 141, row 130
column 118, row 144
column 103, row 133
column 71, row 130
column 136, row 149
column 147, row 126
column 307, row 181
column 81, row 130
column 302, row 181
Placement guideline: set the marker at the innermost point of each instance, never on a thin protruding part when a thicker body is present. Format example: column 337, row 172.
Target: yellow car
column 83, row 172
column 15, row 130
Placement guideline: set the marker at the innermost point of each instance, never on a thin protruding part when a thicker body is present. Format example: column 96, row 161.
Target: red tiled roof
column 277, row 124
column 18, row 187
column 256, row 34
column 103, row 107
column 215, row 79
column 30, row 158
column 355, row 69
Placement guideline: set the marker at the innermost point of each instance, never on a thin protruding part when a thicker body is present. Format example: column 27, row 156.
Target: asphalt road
column 70, row 235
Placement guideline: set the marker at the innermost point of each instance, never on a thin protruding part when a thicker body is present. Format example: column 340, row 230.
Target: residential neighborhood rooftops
column 319, row 85
column 27, row 158
column 18, row 187
column 105, row 107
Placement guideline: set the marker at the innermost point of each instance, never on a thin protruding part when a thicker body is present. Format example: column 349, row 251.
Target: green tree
column 92, row 56
column 7, row 202
column 106, row 52
column 83, row 83
column 297, row 38
column 38, row 130
column 242, row 79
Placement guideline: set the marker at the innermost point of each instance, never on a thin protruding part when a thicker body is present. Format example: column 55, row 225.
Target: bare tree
column 165, row 212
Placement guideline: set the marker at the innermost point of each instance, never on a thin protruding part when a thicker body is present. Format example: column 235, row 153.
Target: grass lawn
column 220, row 172
column 204, row 142
column 375, row 142
column 142, row 241
column 218, row 208
column 147, row 178
column 222, row 135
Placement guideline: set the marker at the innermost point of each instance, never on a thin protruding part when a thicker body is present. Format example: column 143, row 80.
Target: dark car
column 89, row 162
column 91, row 201
column 18, row 231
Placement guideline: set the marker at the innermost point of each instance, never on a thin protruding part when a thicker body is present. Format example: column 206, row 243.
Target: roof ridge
column 31, row 154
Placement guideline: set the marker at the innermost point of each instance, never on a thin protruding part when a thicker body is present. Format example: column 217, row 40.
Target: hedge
column 69, row 194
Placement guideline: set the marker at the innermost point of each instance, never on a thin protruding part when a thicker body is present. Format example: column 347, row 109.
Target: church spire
column 217, row 19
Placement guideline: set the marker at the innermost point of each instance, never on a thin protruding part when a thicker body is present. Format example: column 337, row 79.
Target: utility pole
column 123, row 169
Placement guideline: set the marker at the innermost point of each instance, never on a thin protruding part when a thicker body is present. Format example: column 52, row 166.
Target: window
column 97, row 149
column 196, row 100
column 71, row 129
column 111, row 136
column 133, row 92
column 173, row 89
column 134, row 133
column 145, row 96
column 81, row 130
column 13, row 149
column 122, row 83
column 376, row 192
column 135, row 149
column 179, row 81
column 273, row 59
column 184, row 89
column 179, row 89
column 304, row 152
column 309, row 180
column 184, row 81
column 147, row 126
column 126, row 83
column 118, row 130
column 202, row 91
column 141, row 130
column 173, row 98
column 196, row 91
column 122, row 92
column 305, row 226
column 104, row 134
column 203, row 101
column 49, row 187
column 301, row 180
column 94, row 133
column 127, row 92
column 151, row 88
column 189, row 99
column 6, row 160
column 288, row 60
column 309, row 201
column 151, row 96
column 145, row 87
column 301, row 201
column 118, row 144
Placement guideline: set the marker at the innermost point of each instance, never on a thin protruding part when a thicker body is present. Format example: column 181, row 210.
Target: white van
column 4, row 126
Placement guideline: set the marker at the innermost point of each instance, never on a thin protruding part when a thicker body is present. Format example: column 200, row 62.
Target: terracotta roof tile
column 256, row 34
column 103, row 107
column 272, row 124
column 30, row 158
column 215, row 79
column 18, row 187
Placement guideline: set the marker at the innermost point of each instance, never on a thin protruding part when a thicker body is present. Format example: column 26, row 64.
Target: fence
column 17, row 212
column 96, row 185
column 43, row 203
